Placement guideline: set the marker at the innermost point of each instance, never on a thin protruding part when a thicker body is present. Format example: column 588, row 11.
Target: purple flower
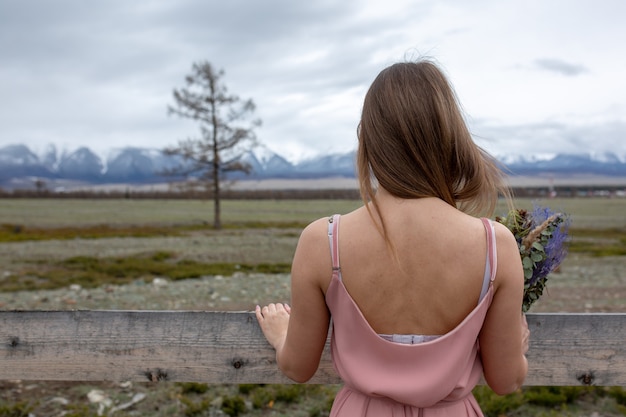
column 555, row 244
column 542, row 236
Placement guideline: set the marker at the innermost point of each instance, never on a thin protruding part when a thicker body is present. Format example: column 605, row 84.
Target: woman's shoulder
column 316, row 228
column 508, row 257
column 504, row 237
column 319, row 228
column 314, row 239
column 312, row 259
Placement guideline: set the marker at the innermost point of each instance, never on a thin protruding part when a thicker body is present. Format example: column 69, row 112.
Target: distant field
column 582, row 180
column 596, row 213
column 84, row 212
column 587, row 213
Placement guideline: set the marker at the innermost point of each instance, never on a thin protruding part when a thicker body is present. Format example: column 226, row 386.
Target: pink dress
column 385, row 378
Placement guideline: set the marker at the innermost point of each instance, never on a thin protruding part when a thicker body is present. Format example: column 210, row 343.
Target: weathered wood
column 216, row 347
column 574, row 349
column 228, row 347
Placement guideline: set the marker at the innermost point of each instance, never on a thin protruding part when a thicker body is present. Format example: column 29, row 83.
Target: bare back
column 436, row 280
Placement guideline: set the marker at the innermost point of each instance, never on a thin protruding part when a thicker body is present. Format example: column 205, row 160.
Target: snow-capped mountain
column 82, row 164
column 18, row 155
column 49, row 158
column 337, row 164
column 141, row 165
column 17, row 161
column 266, row 163
column 605, row 163
column 135, row 165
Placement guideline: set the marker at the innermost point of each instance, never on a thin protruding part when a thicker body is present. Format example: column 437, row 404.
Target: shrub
column 18, row 409
column 193, row 388
column 496, row 405
column 193, row 409
column 232, row 406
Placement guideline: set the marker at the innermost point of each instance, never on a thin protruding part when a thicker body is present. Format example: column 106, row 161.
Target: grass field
column 52, row 243
column 82, row 212
column 597, row 213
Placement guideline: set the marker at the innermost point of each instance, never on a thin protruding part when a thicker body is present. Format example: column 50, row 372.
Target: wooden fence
column 228, row 347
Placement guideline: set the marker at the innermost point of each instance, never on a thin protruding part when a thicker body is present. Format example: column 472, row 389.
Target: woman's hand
column 274, row 320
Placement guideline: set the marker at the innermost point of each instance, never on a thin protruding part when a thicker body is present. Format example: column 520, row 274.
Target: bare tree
column 40, row 185
column 225, row 127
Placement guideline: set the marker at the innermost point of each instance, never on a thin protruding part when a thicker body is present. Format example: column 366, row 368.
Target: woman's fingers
column 274, row 320
column 525, row 335
column 271, row 310
column 257, row 312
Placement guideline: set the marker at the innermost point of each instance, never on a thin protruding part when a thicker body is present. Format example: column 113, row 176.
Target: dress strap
column 491, row 262
column 333, row 239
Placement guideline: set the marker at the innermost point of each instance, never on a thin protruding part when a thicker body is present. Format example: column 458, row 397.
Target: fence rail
column 228, row 347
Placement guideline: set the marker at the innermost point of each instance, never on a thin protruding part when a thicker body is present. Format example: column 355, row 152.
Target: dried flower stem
column 531, row 237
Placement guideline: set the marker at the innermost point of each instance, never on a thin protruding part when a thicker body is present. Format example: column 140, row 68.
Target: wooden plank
column 228, row 347
column 575, row 349
column 214, row 347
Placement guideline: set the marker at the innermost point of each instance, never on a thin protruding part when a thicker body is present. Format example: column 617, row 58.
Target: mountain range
column 133, row 165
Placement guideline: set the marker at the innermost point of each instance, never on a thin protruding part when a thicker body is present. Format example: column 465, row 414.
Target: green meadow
column 51, row 243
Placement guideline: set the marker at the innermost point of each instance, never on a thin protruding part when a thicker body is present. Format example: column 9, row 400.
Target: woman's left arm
column 298, row 333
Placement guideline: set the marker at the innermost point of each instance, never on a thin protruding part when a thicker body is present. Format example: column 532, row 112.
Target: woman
column 424, row 296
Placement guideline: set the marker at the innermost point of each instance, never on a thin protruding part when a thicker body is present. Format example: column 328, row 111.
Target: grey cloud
column 103, row 72
column 561, row 67
column 104, row 67
column 552, row 137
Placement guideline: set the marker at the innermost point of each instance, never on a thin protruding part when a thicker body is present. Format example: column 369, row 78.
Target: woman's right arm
column 504, row 336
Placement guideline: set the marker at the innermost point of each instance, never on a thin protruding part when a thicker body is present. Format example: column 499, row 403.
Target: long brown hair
column 414, row 142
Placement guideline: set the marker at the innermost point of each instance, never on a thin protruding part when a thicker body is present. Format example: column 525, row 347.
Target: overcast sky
column 534, row 76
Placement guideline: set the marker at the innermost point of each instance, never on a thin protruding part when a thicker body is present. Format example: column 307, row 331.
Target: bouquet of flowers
column 542, row 238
